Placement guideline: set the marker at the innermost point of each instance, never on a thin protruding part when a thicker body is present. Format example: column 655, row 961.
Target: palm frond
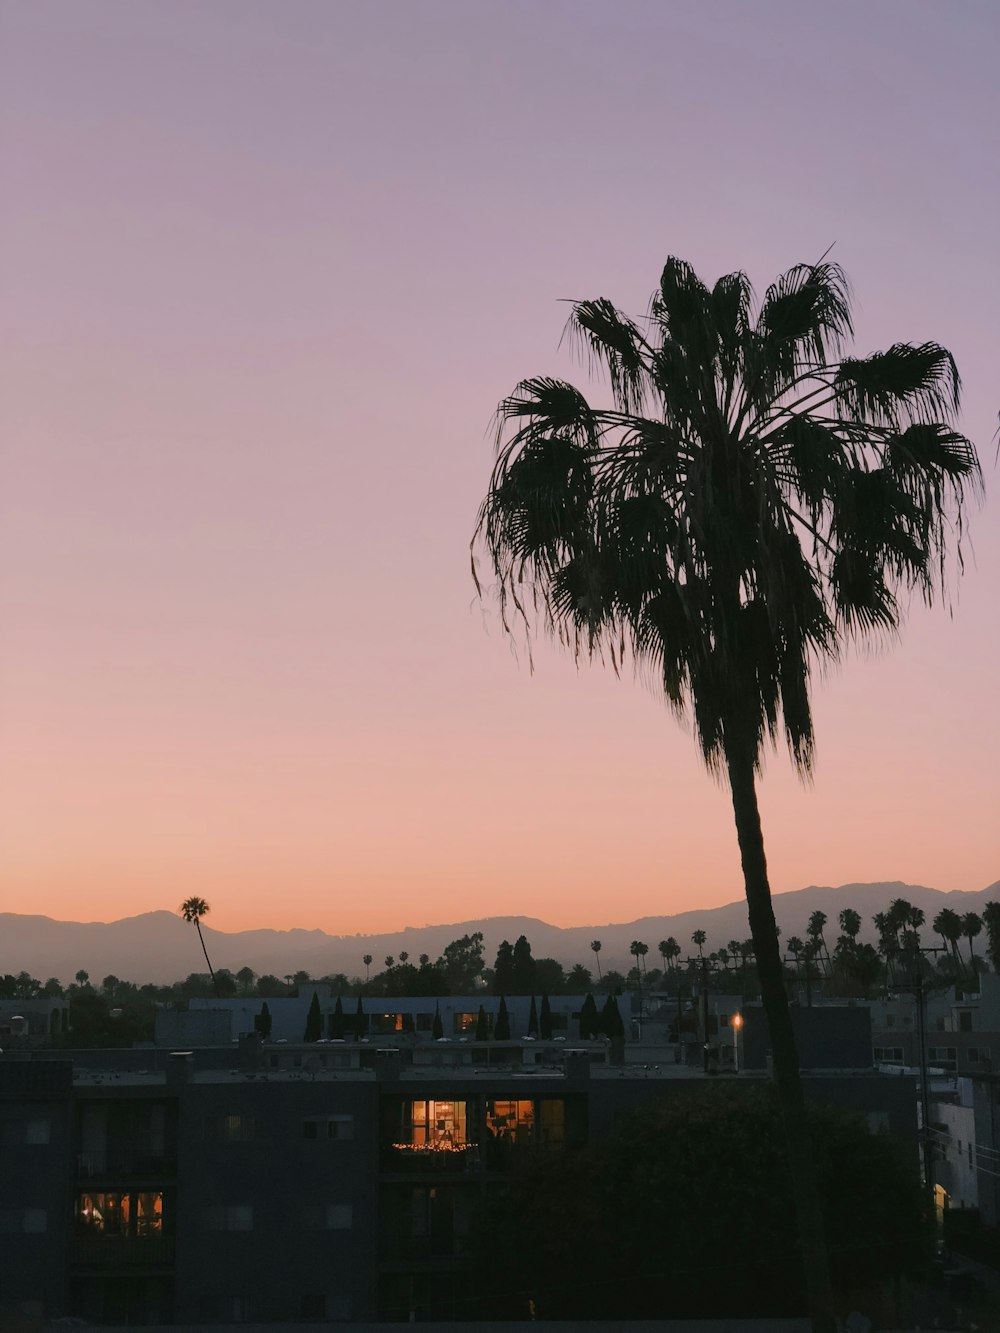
column 906, row 384
column 614, row 342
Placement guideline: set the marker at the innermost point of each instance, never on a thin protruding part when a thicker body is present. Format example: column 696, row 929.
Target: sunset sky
column 266, row 270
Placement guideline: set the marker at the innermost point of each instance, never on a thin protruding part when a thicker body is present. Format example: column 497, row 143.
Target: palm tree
column 751, row 499
column 193, row 909
column 948, row 924
column 850, row 923
column 817, row 920
column 367, row 960
column 698, row 938
column 596, row 946
column 972, row 924
column 991, row 920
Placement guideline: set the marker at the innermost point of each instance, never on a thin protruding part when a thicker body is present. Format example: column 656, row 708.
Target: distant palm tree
column 850, row 923
column 698, row 939
column 671, row 951
column 596, row 946
column 817, row 921
column 991, row 920
column 948, row 924
column 404, row 957
column 193, row 909
column 367, row 960
column 972, row 924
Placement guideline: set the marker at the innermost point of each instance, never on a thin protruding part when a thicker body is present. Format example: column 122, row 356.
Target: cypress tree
column 503, row 971
column 533, row 1019
column 314, row 1021
column 437, row 1030
column 590, row 1022
column 337, row 1025
column 262, row 1023
column 502, row 1029
column 482, row 1026
column 359, row 1020
column 545, row 1020
column 611, row 1019
column 524, row 967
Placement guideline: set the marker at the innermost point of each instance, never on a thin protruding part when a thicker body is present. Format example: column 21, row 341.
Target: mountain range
column 160, row 947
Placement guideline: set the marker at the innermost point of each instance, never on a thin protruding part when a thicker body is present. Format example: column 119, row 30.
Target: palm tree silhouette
column 948, row 924
column 972, row 924
column 193, row 909
column 596, row 946
column 367, row 960
column 698, row 938
column 751, row 499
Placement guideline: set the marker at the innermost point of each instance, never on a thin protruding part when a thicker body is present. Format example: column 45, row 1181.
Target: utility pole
column 914, row 953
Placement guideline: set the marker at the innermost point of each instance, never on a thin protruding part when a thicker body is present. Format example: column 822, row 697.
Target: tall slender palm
column 817, row 921
column 991, row 920
column 193, row 909
column 698, row 938
column 596, row 946
column 367, row 960
column 751, row 499
column 972, row 924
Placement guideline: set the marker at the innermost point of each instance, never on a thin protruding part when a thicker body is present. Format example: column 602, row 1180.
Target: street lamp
column 737, row 1024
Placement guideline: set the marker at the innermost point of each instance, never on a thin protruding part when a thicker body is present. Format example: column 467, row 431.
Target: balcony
column 430, row 1159
column 137, row 1157
column 122, row 1252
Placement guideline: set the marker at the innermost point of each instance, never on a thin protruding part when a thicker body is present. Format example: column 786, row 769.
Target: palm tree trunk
column 201, row 937
column 785, row 1056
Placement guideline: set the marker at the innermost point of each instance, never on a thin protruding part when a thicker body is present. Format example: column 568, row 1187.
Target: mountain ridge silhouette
column 158, row 946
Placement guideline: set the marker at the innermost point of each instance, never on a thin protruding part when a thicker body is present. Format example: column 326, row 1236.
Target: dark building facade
column 291, row 1184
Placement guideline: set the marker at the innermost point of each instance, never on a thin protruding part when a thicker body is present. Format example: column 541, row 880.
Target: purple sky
column 267, row 269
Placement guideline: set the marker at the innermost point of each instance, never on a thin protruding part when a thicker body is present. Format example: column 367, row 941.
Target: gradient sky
column 267, row 269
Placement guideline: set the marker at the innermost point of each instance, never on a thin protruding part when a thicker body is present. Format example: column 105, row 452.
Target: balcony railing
column 133, row 1159
column 123, row 1251
column 430, row 1159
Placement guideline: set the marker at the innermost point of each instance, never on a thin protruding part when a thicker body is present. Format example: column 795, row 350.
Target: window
column 135, row 1214
column 320, row 1307
column 436, row 1124
column 230, row 1217
column 978, row 1054
column 227, row 1309
column 942, row 1054
column 339, row 1216
column 15, row 1133
column 892, row 1054
column 230, row 1128
column 965, row 1020
column 27, row 1221
column 329, row 1127
column 552, row 1122
column 890, row 1020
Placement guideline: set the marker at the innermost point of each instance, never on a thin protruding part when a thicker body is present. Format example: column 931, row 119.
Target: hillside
column 160, row 947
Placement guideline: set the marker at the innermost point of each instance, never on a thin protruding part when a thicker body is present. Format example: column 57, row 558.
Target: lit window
column 135, row 1214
